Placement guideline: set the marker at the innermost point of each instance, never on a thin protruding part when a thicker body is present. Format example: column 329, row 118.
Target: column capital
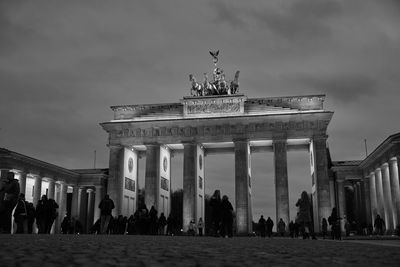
column 393, row 160
column 152, row 144
column 100, row 187
column 240, row 140
column 385, row 165
column 114, row 146
column 319, row 137
column 188, row 142
column 279, row 141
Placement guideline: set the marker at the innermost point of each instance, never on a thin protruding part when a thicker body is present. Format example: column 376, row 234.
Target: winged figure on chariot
column 218, row 85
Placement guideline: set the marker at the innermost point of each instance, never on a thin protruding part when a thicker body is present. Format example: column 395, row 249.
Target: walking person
column 42, row 213
column 153, row 220
column 379, row 224
column 192, row 228
column 215, row 204
column 291, row 229
column 304, row 214
column 21, row 215
column 261, row 226
column 200, row 226
column 281, row 227
column 9, row 188
column 226, row 217
column 162, row 222
column 324, row 228
column 334, row 221
column 51, row 214
column 31, row 216
column 106, row 206
column 269, row 226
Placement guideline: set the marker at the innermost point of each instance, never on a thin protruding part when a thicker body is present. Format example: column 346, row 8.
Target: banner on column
column 129, row 183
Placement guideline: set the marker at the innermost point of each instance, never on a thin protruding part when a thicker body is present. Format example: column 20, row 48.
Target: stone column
column 341, row 201
column 37, row 189
column 22, row 182
column 332, row 191
column 152, row 175
column 83, row 207
column 97, row 200
column 367, row 203
column 242, row 187
column 379, row 193
column 75, row 202
column 189, row 184
column 52, row 189
column 323, row 200
column 387, row 196
column 90, row 210
column 281, row 181
column 115, row 178
column 356, row 202
column 394, row 185
column 62, row 210
column 373, row 196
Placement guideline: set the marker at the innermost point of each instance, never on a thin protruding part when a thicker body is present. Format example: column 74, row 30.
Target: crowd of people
column 18, row 215
column 142, row 222
column 222, row 215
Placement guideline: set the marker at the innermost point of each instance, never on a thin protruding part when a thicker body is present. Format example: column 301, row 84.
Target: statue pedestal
column 211, row 106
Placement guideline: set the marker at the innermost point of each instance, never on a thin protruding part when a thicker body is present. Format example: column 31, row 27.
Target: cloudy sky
column 64, row 63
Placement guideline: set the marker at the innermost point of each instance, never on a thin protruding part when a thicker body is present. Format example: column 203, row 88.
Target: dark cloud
column 345, row 87
column 226, row 12
column 63, row 63
column 299, row 21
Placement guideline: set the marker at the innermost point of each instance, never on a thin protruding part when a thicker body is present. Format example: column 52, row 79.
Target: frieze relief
column 218, row 130
column 214, row 108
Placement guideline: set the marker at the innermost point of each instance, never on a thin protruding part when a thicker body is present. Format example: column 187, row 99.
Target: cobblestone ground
column 91, row 250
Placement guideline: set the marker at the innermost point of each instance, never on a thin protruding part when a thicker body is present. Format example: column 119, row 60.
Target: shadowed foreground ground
column 85, row 250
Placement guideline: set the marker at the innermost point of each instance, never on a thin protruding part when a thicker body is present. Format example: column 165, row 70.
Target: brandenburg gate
column 216, row 118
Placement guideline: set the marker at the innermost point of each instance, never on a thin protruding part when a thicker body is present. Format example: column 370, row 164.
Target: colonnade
column 84, row 199
column 384, row 193
column 157, row 169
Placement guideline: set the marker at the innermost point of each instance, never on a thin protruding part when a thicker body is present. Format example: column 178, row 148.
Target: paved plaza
column 87, row 250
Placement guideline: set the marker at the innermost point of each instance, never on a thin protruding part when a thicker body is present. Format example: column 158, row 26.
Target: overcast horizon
column 64, row 63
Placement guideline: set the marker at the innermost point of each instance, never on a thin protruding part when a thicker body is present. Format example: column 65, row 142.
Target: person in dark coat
column 379, row 224
column 269, row 226
column 261, row 226
column 21, row 215
column 106, row 206
column 52, row 214
column 334, row 221
column 131, row 225
column 162, row 222
column 291, row 229
column 215, row 204
column 200, row 226
column 281, row 227
column 304, row 214
column 324, row 228
column 171, row 225
column 10, row 192
column 65, row 225
column 153, row 220
column 226, row 217
column 42, row 213
column 31, row 216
